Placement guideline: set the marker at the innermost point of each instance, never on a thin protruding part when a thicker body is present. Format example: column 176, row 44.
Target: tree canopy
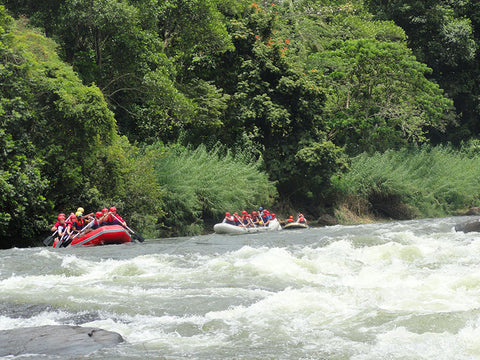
column 91, row 87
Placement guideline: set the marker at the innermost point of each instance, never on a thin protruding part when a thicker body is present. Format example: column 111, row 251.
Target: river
column 400, row 290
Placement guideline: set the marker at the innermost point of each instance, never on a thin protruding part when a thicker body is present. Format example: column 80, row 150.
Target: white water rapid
column 402, row 290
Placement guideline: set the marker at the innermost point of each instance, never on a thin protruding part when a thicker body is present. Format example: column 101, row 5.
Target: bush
column 201, row 185
column 427, row 181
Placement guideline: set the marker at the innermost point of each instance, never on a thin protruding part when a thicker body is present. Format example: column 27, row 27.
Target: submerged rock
column 468, row 226
column 327, row 220
column 473, row 211
column 56, row 340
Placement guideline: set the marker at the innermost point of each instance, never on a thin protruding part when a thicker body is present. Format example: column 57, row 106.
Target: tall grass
column 201, row 184
column 432, row 181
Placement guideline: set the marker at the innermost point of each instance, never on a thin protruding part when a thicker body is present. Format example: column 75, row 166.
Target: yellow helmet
column 80, row 210
column 78, row 213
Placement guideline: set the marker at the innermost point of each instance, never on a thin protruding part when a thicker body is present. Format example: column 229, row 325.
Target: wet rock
column 468, row 226
column 327, row 220
column 473, row 211
column 56, row 340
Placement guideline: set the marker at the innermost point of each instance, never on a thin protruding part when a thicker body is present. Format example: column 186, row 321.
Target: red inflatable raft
column 104, row 235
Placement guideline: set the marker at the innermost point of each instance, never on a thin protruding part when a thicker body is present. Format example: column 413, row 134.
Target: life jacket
column 61, row 229
column 114, row 220
column 301, row 220
column 78, row 225
column 69, row 223
column 96, row 224
column 266, row 219
column 230, row 220
column 109, row 220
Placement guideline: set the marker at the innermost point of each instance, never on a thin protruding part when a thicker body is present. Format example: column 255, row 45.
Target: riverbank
column 356, row 212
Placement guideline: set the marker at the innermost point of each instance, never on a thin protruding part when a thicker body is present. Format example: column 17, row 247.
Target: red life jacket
column 78, row 225
column 111, row 219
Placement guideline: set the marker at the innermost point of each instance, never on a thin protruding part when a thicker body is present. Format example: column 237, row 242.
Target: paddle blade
column 49, row 240
column 138, row 237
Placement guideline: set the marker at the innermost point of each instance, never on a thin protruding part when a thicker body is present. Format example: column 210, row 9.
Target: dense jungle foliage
column 177, row 110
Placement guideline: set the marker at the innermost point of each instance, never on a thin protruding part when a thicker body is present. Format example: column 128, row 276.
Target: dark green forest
column 175, row 111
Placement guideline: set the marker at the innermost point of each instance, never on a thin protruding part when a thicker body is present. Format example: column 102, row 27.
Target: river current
column 399, row 290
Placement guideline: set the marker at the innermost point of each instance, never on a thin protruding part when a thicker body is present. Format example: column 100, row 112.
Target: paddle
column 135, row 235
column 250, row 221
column 89, row 225
column 259, row 221
column 49, row 240
column 62, row 239
column 240, row 221
column 66, row 238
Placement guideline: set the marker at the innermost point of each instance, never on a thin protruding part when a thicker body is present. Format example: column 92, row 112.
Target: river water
column 400, row 290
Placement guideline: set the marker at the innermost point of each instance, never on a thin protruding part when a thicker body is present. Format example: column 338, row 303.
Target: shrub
column 430, row 181
column 201, row 185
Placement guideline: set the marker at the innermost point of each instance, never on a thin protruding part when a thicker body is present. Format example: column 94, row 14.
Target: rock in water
column 473, row 211
column 468, row 226
column 56, row 340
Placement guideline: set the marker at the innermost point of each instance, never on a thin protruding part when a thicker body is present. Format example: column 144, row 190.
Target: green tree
column 444, row 35
column 379, row 96
column 22, row 185
column 53, row 128
column 275, row 110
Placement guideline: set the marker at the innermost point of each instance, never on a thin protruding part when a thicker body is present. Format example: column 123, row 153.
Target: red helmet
column 61, row 215
column 113, row 208
column 98, row 214
column 235, row 213
column 254, row 213
column 73, row 217
column 104, row 210
column 244, row 212
column 227, row 214
column 273, row 215
column 265, row 211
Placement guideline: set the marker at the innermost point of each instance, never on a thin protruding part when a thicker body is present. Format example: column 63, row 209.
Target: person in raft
column 256, row 221
column 246, row 222
column 77, row 223
column 62, row 229
column 301, row 219
column 105, row 216
column 114, row 219
column 290, row 219
column 228, row 219
column 94, row 223
column 237, row 220
column 266, row 217
column 86, row 218
column 55, row 226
